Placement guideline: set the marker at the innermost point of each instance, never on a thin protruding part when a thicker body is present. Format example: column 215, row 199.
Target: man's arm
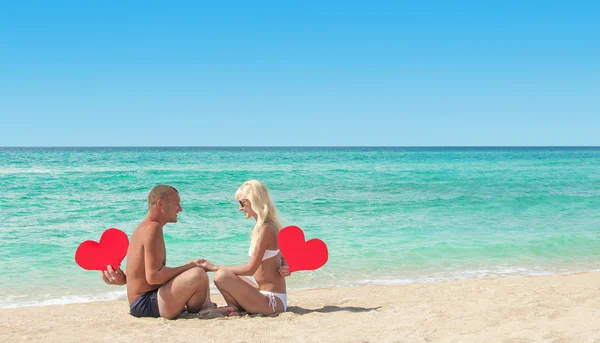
column 154, row 254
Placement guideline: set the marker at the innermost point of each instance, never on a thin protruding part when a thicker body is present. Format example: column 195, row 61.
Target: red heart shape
column 298, row 254
column 110, row 251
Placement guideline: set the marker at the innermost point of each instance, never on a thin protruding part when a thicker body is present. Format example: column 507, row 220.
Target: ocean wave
column 475, row 274
column 15, row 302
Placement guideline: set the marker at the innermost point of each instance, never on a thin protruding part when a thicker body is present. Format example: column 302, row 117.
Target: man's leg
column 208, row 304
column 186, row 289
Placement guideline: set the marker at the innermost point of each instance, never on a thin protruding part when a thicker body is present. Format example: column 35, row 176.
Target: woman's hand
column 209, row 267
column 285, row 271
column 113, row 277
column 197, row 262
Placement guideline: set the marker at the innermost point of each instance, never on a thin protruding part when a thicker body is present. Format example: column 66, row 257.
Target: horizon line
column 291, row 146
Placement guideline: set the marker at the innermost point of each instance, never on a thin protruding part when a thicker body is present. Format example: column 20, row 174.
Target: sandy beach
column 561, row 308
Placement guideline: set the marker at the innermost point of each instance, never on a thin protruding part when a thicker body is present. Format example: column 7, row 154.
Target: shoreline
column 552, row 308
column 120, row 293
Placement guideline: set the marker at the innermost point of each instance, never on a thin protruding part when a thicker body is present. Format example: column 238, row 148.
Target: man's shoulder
column 148, row 228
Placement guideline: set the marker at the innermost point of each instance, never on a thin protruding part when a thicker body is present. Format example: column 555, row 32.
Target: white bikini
column 282, row 296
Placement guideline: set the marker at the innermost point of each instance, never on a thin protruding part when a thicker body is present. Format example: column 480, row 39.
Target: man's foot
column 209, row 305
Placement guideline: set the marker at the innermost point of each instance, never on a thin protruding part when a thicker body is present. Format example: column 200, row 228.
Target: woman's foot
column 226, row 309
column 236, row 313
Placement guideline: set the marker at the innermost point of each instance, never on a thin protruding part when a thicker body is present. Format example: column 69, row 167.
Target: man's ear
column 159, row 203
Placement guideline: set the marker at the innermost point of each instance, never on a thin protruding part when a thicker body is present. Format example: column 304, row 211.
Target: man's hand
column 285, row 270
column 113, row 277
column 200, row 262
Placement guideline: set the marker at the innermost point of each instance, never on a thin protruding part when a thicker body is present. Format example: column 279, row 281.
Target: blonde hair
column 260, row 202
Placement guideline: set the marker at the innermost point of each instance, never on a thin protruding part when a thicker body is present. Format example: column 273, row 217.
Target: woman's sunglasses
column 241, row 203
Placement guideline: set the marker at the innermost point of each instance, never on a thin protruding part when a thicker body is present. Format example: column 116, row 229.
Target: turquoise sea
column 388, row 215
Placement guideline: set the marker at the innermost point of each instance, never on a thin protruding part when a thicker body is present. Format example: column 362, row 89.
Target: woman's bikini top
column 268, row 253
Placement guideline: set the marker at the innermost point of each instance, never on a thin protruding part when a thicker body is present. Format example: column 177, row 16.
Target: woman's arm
column 283, row 263
column 255, row 260
column 284, row 269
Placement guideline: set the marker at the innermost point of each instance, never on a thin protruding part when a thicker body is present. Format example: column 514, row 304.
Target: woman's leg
column 241, row 294
column 231, row 300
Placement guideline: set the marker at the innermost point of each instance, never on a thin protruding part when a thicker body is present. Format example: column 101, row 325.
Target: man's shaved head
column 161, row 192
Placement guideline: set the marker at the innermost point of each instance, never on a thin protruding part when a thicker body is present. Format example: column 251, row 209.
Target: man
column 154, row 290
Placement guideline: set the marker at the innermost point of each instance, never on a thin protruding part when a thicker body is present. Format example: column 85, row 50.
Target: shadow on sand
column 330, row 309
column 210, row 314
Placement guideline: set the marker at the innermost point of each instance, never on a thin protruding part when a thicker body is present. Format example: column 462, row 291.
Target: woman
column 269, row 294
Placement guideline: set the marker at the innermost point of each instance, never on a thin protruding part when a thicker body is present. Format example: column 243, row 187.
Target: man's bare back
column 137, row 283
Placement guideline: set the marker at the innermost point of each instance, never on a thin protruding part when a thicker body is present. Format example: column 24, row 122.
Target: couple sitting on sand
column 155, row 290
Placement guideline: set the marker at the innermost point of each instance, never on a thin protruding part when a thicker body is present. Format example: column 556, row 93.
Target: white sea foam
column 331, row 281
column 472, row 274
column 16, row 302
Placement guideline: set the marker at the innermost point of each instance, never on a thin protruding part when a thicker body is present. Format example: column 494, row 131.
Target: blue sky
column 125, row 73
